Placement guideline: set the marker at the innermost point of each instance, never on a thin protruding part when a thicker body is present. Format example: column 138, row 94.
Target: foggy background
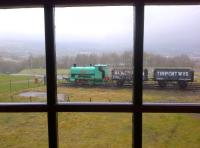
column 169, row 31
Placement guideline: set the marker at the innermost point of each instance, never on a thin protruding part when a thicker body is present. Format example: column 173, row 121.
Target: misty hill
column 168, row 31
column 23, row 48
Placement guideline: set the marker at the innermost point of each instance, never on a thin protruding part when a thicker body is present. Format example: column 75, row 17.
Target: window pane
column 22, row 60
column 94, row 130
column 171, row 53
column 94, row 53
column 19, row 130
column 171, row 130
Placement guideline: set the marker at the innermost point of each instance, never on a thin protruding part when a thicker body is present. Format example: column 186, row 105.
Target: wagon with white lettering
column 122, row 76
column 179, row 75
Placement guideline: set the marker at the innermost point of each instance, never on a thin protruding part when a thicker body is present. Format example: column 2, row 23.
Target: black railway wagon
column 122, row 76
column 180, row 75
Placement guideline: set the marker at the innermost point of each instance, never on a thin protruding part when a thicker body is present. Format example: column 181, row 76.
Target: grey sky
column 172, row 27
column 165, row 26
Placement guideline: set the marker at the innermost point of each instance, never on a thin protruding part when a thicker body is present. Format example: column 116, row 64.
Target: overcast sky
column 173, row 26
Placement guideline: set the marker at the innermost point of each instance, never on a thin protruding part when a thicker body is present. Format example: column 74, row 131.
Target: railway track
column 173, row 86
column 190, row 87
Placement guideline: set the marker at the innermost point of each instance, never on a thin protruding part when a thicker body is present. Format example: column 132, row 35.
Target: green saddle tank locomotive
column 90, row 75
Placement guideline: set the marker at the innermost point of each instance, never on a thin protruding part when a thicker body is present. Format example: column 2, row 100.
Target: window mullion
column 138, row 70
column 51, row 75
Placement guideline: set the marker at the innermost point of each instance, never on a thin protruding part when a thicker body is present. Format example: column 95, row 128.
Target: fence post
column 11, row 91
column 68, row 100
column 28, row 83
column 45, row 79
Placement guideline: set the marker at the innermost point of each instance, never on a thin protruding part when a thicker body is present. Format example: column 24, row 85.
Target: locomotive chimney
column 74, row 65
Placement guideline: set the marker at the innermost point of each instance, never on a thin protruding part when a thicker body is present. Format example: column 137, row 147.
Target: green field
column 97, row 130
column 38, row 71
column 11, row 85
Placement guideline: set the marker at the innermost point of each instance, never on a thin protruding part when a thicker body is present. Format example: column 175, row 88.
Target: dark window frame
column 137, row 107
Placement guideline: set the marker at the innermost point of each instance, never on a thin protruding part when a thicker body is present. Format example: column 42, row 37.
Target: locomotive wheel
column 162, row 84
column 182, row 84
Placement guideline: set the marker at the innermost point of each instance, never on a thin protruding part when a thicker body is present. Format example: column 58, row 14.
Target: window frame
column 137, row 107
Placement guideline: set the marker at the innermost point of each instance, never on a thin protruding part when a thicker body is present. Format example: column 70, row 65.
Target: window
column 97, row 40
column 177, row 30
column 22, row 64
column 52, row 107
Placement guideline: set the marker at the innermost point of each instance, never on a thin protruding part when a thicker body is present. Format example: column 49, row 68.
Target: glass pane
column 21, row 130
column 171, row 53
column 94, row 48
column 95, row 130
column 22, row 55
column 171, row 130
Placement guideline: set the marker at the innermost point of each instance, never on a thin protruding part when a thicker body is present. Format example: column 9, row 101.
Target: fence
column 9, row 86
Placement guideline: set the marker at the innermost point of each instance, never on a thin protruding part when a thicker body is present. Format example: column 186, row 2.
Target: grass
column 125, row 95
column 11, row 85
column 99, row 130
column 171, row 130
column 7, row 78
column 171, row 96
column 197, row 76
column 23, row 130
column 97, row 94
column 38, row 71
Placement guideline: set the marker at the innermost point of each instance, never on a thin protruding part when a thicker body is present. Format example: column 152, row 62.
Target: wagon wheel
column 182, row 84
column 162, row 84
column 120, row 83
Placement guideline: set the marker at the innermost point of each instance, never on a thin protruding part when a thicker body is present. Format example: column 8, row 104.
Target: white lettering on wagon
column 172, row 73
